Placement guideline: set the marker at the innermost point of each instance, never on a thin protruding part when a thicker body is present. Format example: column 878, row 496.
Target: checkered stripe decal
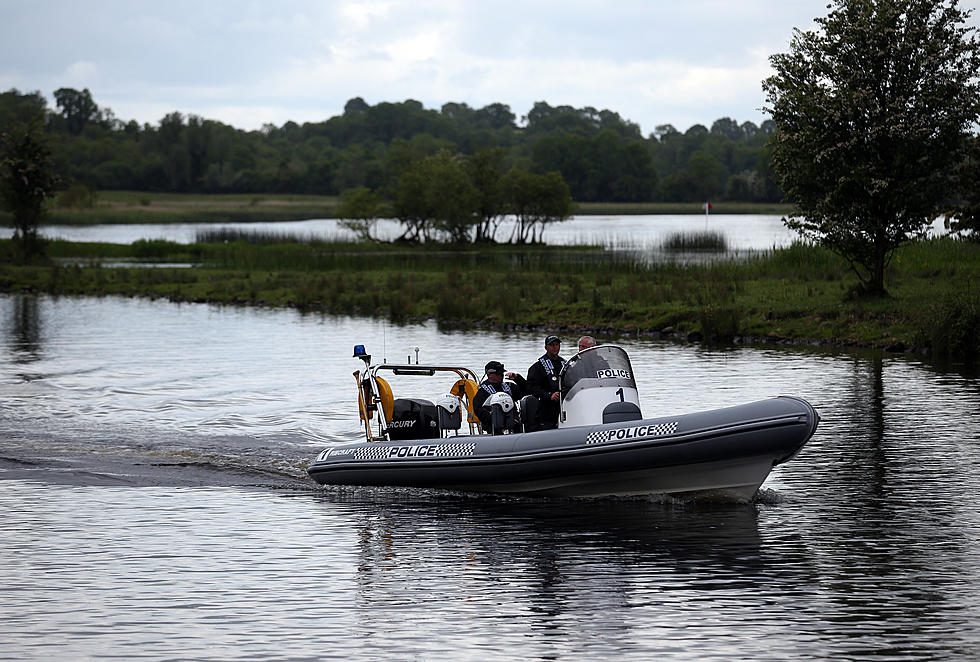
column 642, row 432
column 372, row 452
column 379, row 452
column 457, row 450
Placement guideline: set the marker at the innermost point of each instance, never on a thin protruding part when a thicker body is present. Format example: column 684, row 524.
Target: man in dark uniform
column 494, row 383
column 542, row 381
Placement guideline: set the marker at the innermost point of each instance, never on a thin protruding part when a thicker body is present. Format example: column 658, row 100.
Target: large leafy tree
column 873, row 110
column 17, row 107
column 27, row 178
column 535, row 201
column 455, row 199
column 359, row 211
column 78, row 108
column 436, row 194
column 485, row 169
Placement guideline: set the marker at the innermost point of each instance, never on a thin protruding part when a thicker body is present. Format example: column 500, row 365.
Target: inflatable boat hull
column 729, row 451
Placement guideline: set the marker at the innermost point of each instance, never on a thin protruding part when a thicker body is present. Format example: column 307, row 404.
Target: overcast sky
column 654, row 62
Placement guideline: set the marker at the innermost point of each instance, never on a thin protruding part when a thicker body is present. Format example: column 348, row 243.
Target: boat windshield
column 608, row 365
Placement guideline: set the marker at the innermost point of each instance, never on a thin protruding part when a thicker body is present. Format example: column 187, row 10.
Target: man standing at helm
column 542, row 381
column 591, row 362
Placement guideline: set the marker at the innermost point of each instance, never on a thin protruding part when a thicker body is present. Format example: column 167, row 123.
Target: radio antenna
column 384, row 341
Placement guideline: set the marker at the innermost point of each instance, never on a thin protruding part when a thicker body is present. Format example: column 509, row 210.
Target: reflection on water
column 591, row 578
column 534, row 534
column 864, row 547
column 24, row 326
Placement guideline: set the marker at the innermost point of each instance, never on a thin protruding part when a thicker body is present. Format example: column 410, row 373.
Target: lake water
column 743, row 233
column 155, row 506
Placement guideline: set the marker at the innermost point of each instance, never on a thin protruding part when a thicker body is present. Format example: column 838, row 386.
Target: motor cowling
column 413, row 419
column 527, row 411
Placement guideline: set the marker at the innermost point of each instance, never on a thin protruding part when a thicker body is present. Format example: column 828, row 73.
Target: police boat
column 603, row 446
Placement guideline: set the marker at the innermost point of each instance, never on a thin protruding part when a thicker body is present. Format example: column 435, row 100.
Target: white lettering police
column 412, row 451
column 613, row 373
column 634, row 433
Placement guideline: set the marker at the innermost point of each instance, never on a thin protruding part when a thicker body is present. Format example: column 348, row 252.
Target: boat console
column 597, row 386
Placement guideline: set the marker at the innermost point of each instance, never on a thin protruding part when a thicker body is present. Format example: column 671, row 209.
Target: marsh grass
column 696, row 241
column 230, row 235
column 952, row 326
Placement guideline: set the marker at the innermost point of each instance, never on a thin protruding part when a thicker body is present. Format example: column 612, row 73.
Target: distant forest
column 600, row 155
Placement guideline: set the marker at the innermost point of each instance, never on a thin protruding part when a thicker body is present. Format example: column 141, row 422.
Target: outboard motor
column 502, row 414
column 413, row 419
column 527, row 407
column 450, row 412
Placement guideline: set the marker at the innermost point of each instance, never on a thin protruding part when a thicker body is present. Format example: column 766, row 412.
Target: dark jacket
column 517, row 390
column 542, row 380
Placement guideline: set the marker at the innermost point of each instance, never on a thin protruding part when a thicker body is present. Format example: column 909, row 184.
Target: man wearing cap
column 494, row 383
column 542, row 381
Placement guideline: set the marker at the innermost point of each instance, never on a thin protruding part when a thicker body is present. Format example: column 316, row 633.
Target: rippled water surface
column 155, row 506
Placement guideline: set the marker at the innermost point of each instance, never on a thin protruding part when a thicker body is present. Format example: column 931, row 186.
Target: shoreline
column 669, row 334
column 142, row 207
column 800, row 295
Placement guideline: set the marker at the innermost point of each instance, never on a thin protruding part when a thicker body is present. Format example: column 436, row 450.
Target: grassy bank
column 147, row 207
column 801, row 293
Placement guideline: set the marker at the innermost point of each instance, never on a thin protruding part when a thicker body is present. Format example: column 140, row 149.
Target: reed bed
column 696, row 241
column 224, row 235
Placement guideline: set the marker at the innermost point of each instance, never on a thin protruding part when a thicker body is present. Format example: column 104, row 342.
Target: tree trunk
column 876, row 286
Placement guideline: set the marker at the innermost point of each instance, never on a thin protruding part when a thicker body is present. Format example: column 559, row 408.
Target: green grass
column 801, row 292
column 147, row 207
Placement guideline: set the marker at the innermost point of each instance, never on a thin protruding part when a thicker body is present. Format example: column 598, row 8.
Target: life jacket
column 547, row 365
column 505, row 387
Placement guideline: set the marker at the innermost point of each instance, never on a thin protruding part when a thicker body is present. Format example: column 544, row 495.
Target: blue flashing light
column 359, row 351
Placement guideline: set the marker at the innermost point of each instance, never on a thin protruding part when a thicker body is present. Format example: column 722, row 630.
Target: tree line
column 873, row 136
column 601, row 156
